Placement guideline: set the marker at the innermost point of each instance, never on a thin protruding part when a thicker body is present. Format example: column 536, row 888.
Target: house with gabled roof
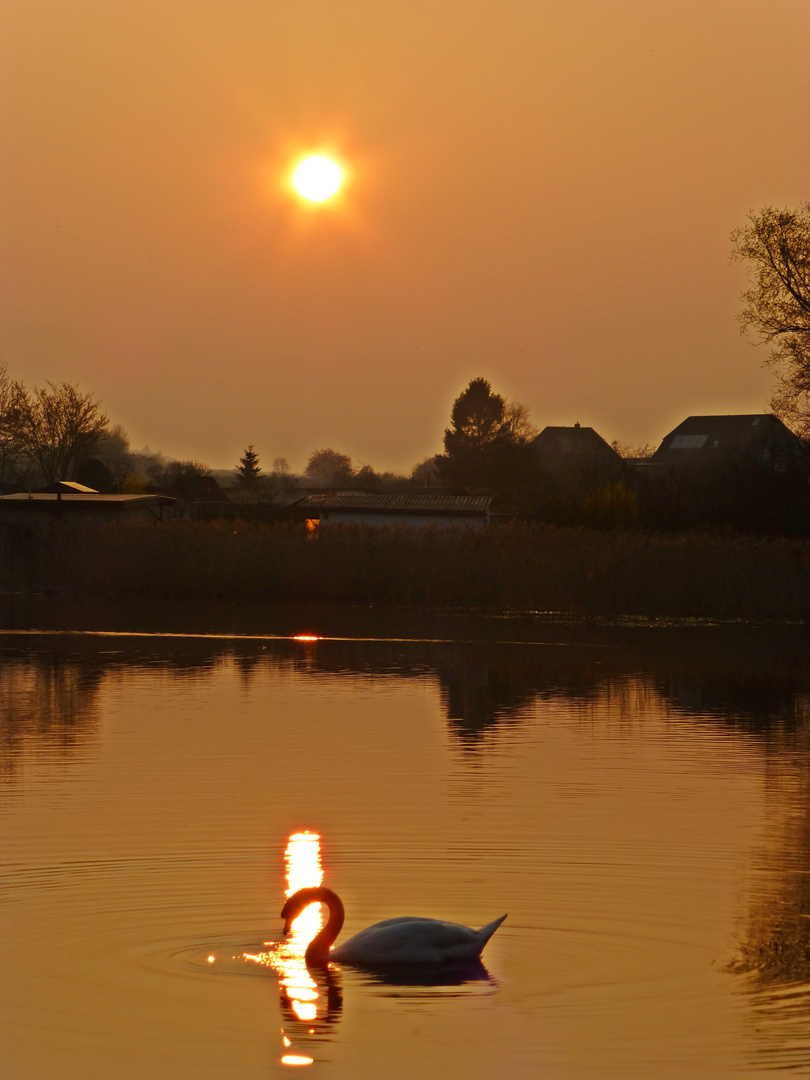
column 577, row 452
column 702, row 441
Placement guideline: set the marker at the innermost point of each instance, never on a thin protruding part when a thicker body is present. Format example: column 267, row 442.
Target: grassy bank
column 522, row 567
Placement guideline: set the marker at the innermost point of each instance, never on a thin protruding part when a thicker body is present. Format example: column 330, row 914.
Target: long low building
column 84, row 506
column 412, row 511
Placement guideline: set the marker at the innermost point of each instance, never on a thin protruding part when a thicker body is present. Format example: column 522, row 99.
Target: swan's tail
column 486, row 932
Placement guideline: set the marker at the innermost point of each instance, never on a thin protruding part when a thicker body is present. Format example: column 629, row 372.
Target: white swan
column 389, row 943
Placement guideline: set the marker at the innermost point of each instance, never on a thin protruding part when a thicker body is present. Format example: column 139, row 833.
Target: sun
column 317, row 178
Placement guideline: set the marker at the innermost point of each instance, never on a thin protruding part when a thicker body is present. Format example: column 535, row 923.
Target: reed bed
column 529, row 568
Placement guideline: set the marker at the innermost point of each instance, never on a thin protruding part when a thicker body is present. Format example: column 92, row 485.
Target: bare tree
column 516, row 423
column 114, row 452
column 641, row 451
column 12, row 402
column 58, row 426
column 775, row 245
column 426, row 472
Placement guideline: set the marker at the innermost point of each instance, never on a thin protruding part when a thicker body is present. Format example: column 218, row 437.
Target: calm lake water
column 636, row 798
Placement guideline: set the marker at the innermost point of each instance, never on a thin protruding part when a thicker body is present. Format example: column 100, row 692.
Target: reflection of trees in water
column 47, row 705
column 746, row 679
column 776, row 942
column 774, row 946
column 742, row 676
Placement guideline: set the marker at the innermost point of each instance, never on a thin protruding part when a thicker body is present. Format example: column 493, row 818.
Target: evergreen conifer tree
column 248, row 475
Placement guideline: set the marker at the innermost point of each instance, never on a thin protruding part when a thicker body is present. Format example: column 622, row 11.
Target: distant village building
column 203, row 489
column 578, row 452
column 199, row 497
column 702, row 441
column 410, row 511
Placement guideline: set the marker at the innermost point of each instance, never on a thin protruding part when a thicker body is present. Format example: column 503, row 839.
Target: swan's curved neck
column 318, row 949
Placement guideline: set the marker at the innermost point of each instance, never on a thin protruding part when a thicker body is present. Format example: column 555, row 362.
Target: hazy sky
column 540, row 193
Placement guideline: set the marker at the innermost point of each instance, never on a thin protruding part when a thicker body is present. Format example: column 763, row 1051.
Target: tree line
column 58, row 432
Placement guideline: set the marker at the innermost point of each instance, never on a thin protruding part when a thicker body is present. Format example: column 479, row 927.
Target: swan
column 390, row 943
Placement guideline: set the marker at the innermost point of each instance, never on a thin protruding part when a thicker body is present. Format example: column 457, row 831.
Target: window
column 688, row 442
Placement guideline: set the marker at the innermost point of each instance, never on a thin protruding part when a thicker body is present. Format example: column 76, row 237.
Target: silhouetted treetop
column 58, row 426
column 248, row 473
column 487, row 446
column 775, row 245
column 476, row 419
column 329, row 468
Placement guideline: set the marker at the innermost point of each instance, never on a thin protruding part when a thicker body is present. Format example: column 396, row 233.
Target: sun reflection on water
column 300, row 992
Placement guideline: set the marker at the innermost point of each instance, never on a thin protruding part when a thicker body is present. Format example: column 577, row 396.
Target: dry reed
column 533, row 568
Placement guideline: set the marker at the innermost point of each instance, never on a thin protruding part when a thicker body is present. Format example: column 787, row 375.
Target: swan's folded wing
column 414, row 941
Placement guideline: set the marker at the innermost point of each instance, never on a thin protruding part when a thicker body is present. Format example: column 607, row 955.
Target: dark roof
column 94, row 501
column 353, row 502
column 574, row 443
column 199, row 489
column 698, row 435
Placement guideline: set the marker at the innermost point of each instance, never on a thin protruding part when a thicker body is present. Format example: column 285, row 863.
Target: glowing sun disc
column 317, row 178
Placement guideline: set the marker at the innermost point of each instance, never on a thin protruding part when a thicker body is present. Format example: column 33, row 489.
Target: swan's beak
column 287, row 925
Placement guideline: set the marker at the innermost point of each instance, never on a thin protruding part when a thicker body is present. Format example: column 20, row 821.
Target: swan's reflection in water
column 448, row 975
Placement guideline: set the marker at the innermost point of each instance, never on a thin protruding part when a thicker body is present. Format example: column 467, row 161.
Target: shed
column 411, row 511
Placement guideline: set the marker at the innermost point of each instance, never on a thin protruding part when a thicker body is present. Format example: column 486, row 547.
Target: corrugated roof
column 399, row 504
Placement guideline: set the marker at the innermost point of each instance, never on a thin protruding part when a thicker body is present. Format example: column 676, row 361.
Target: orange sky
column 539, row 193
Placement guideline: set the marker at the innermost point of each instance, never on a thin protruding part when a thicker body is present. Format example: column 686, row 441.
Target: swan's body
column 390, row 943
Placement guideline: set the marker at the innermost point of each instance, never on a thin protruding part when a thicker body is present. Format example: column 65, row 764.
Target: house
column 702, row 441
column 577, row 452
column 411, row 511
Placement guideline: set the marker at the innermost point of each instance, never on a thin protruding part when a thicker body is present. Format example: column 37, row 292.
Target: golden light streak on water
column 302, row 859
column 305, row 1010
column 306, row 637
